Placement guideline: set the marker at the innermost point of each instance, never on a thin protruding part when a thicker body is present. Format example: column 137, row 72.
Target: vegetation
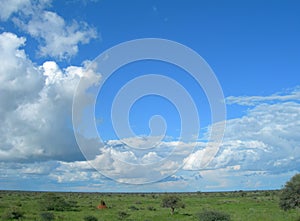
column 290, row 196
column 246, row 205
column 211, row 215
column 13, row 213
column 172, row 202
column 123, row 215
column 54, row 202
column 47, row 216
column 90, row 218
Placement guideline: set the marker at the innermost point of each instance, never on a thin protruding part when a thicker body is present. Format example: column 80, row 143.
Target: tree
column 290, row 194
column 172, row 202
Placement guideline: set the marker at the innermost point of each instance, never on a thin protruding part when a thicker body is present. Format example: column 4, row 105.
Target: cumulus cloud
column 36, row 102
column 126, row 167
column 262, row 143
column 265, row 139
column 124, row 164
column 36, row 137
column 35, row 106
column 57, row 37
column 9, row 7
column 62, row 39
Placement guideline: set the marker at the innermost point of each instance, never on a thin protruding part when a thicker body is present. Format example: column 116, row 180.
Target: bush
column 172, row 202
column 13, row 213
column 46, row 216
column 123, row 215
column 151, row 208
column 90, row 218
column 290, row 195
column 213, row 216
column 133, row 208
column 53, row 202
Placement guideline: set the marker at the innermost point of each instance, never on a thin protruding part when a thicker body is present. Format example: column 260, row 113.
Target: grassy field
column 241, row 205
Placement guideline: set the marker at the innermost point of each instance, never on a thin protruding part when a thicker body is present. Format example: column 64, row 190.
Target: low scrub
column 13, row 213
column 90, row 218
column 211, row 215
column 54, row 202
column 47, row 216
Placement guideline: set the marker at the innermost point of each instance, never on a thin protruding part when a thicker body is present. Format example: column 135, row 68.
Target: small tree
column 290, row 195
column 172, row 202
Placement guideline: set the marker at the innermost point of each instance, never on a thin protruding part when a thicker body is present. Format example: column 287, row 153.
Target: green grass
column 244, row 206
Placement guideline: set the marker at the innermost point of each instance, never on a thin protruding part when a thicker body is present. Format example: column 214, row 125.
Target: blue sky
column 48, row 45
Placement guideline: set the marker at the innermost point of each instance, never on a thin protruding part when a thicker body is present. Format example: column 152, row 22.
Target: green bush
column 151, row 208
column 290, row 194
column 13, row 213
column 46, row 216
column 54, row 202
column 133, row 208
column 90, row 218
column 172, row 202
column 211, row 215
column 123, row 215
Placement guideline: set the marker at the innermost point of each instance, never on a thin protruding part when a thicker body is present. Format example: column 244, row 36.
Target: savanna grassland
column 240, row 205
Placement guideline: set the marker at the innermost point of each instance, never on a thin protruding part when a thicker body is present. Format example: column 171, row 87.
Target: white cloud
column 61, row 40
column 124, row 164
column 151, row 158
column 293, row 95
column 265, row 139
column 57, row 37
column 35, row 105
column 193, row 161
column 9, row 7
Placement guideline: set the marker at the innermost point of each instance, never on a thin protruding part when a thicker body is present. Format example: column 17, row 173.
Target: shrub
column 211, row 215
column 133, row 208
column 53, row 202
column 151, row 208
column 123, row 215
column 290, row 195
column 46, row 216
column 13, row 213
column 90, row 218
column 172, row 202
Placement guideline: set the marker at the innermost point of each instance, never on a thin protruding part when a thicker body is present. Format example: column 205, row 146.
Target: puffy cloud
column 128, row 165
column 20, row 79
column 9, row 7
column 193, row 161
column 11, row 170
column 265, row 139
column 75, row 172
column 61, row 40
column 35, row 106
column 150, row 158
